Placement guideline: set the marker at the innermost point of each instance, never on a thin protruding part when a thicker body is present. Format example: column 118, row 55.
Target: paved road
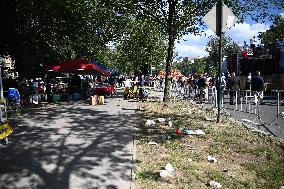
column 267, row 115
column 71, row 146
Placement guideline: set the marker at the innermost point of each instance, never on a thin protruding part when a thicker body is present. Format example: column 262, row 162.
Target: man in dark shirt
column 257, row 83
column 257, row 86
column 202, row 83
column 234, row 86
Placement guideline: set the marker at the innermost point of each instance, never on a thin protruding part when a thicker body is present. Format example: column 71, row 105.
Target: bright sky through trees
column 194, row 46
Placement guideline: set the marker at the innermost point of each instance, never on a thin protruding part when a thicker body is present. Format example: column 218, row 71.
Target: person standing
column 181, row 84
column 248, row 82
column 202, row 84
column 257, row 86
column 234, row 86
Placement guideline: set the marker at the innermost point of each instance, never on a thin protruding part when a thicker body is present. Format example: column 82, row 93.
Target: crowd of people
column 195, row 86
column 198, row 86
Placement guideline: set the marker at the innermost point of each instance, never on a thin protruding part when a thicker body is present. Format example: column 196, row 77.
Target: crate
column 101, row 100
column 93, row 100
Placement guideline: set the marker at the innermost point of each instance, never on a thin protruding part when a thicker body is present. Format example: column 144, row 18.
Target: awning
column 77, row 65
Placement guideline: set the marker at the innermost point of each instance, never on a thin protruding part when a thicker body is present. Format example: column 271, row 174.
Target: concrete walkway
column 71, row 146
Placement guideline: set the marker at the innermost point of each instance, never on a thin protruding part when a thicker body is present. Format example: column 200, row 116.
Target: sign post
column 219, row 23
column 219, row 19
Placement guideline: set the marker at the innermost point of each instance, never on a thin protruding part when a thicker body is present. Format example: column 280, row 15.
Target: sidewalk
column 71, row 146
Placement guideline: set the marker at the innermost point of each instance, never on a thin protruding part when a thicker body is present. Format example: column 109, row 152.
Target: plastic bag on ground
column 152, row 143
column 212, row 159
column 161, row 120
column 215, row 184
column 170, row 123
column 169, row 168
column 193, row 132
column 150, row 122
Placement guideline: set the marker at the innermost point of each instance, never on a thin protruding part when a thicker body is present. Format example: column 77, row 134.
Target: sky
column 194, row 46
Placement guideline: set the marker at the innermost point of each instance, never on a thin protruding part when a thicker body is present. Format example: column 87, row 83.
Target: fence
column 246, row 102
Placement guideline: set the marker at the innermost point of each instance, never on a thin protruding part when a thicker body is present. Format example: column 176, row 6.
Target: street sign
column 229, row 19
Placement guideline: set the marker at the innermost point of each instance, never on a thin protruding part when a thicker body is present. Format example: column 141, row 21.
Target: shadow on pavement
column 66, row 147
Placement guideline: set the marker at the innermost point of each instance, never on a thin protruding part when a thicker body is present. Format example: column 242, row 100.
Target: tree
column 275, row 32
column 229, row 48
column 179, row 17
column 141, row 48
column 35, row 32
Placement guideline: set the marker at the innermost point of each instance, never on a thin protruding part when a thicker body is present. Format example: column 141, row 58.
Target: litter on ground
column 153, row 143
column 212, row 159
column 150, row 122
column 215, row 184
column 193, row 132
column 161, row 120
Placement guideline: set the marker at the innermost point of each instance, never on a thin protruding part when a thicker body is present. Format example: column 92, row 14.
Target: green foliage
column 198, row 65
column 45, row 31
column 48, row 31
column 142, row 46
column 275, row 32
column 229, row 48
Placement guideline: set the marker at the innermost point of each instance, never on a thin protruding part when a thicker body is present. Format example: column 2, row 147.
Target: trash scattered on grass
column 153, row 143
column 170, row 123
column 165, row 175
column 150, row 122
column 169, row 168
column 187, row 131
column 215, row 184
column 212, row 159
column 210, row 119
column 225, row 170
column 178, row 131
column 199, row 132
column 161, row 120
column 168, row 172
column 189, row 159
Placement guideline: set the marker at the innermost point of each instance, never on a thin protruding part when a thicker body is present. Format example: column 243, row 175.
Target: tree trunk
column 170, row 50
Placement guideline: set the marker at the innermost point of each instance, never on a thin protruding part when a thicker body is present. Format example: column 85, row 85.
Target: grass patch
column 246, row 159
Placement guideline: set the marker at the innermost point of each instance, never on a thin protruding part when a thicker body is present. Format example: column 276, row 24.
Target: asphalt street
column 71, row 145
column 267, row 119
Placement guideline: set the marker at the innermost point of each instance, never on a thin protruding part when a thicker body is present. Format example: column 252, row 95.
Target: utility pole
column 219, row 23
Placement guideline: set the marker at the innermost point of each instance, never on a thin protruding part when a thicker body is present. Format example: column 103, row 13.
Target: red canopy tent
column 77, row 65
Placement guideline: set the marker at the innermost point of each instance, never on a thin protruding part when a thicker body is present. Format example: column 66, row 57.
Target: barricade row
column 245, row 101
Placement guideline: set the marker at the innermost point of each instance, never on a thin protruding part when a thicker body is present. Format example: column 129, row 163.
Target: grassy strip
column 246, row 159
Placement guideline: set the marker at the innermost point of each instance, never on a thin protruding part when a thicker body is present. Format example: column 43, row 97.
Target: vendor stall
column 82, row 72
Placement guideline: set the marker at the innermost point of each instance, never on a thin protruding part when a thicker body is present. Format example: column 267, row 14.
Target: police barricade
column 248, row 101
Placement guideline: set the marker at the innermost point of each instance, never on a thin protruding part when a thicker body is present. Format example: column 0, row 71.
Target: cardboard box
column 93, row 100
column 101, row 100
